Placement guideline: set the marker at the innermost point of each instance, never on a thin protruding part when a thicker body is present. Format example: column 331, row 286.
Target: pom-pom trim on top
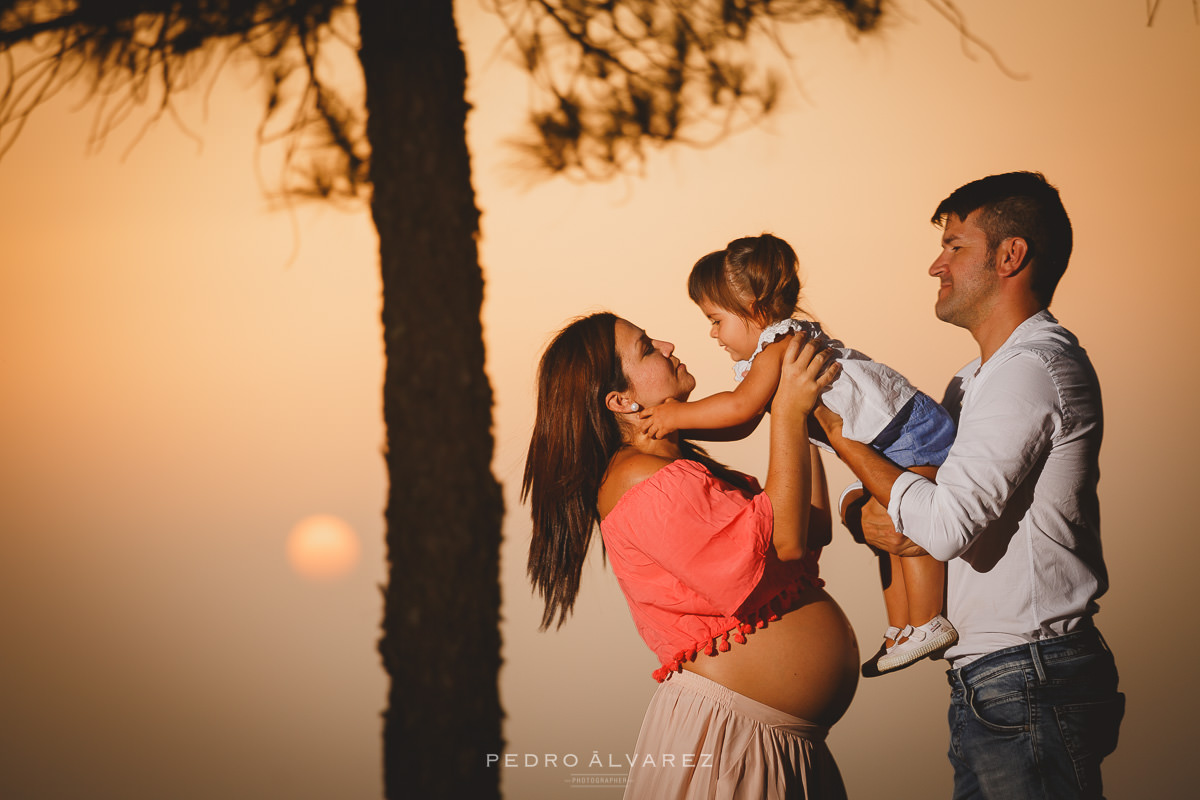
column 770, row 612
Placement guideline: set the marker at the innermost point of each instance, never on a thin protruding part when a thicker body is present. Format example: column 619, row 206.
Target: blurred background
column 189, row 374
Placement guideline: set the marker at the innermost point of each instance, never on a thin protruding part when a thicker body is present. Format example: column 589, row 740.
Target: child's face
column 737, row 335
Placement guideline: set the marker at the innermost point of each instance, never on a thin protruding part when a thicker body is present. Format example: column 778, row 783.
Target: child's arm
column 746, row 403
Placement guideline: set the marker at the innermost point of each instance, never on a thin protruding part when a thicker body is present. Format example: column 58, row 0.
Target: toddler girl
column 749, row 292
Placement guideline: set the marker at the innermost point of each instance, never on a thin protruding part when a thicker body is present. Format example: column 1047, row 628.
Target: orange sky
column 180, row 391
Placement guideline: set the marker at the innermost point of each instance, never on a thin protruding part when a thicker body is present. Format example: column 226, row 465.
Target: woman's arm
column 820, row 519
column 805, row 372
column 744, row 404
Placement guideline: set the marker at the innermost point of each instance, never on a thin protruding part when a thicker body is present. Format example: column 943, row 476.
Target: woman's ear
column 619, row 404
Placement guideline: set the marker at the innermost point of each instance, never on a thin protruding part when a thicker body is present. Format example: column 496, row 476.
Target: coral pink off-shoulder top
column 693, row 556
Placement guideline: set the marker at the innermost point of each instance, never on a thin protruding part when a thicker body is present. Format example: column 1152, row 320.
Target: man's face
column 966, row 270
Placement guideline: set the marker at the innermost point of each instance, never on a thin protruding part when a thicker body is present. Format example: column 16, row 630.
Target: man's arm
column 1003, row 434
column 876, row 472
column 864, row 512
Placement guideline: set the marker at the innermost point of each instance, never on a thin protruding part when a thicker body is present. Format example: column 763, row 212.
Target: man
column 1034, row 704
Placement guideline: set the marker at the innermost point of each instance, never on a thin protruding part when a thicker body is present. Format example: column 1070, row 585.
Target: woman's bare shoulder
column 627, row 470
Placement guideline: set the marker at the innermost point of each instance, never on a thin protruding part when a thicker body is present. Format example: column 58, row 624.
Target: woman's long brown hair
column 574, row 438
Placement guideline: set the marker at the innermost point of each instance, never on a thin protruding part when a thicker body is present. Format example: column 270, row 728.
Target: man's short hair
column 1018, row 204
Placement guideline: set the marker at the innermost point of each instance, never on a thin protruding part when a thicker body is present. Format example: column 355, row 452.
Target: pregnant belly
column 804, row 664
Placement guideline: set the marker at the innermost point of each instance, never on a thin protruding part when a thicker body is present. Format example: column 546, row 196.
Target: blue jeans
column 1036, row 720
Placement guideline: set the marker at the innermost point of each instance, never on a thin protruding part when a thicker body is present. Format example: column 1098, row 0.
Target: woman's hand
column 808, row 367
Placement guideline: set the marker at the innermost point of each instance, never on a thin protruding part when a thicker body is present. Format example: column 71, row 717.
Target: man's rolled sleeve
column 901, row 485
column 1002, row 435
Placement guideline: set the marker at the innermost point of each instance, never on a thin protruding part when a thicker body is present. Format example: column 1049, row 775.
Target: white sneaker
column 928, row 640
column 870, row 667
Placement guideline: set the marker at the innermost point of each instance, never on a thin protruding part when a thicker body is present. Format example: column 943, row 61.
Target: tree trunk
column 441, row 640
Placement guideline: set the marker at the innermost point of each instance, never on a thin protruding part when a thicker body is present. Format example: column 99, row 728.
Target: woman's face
column 653, row 373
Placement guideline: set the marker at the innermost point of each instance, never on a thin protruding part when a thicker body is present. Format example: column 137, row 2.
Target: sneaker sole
column 941, row 641
column 870, row 667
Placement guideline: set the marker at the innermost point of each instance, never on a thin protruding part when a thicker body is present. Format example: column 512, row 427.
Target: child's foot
column 924, row 641
column 870, row 669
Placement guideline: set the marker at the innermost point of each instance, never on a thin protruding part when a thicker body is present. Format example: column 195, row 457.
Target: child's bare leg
column 895, row 601
column 895, row 593
column 924, row 577
column 929, row 633
column 925, row 586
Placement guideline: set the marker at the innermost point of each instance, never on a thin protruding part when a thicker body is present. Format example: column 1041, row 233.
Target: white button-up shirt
column 1014, row 511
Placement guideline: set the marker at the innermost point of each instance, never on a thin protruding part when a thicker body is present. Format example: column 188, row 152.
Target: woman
column 702, row 554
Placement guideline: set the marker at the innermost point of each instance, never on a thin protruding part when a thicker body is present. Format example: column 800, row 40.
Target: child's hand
column 659, row 421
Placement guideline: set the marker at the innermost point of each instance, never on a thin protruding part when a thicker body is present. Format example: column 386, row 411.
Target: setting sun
column 322, row 548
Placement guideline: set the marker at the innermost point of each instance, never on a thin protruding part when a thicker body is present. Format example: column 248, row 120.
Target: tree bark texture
column 441, row 640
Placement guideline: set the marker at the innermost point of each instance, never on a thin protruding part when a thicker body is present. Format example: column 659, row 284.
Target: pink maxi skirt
column 702, row 741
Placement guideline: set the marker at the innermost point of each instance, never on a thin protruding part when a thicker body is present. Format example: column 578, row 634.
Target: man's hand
column 830, row 422
column 879, row 533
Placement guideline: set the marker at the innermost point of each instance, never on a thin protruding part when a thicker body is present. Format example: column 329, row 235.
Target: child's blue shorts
column 920, row 435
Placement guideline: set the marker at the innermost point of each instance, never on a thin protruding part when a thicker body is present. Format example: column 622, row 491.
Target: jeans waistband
column 1038, row 656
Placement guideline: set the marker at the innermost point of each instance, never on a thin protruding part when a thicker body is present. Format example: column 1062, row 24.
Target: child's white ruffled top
column 867, row 395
